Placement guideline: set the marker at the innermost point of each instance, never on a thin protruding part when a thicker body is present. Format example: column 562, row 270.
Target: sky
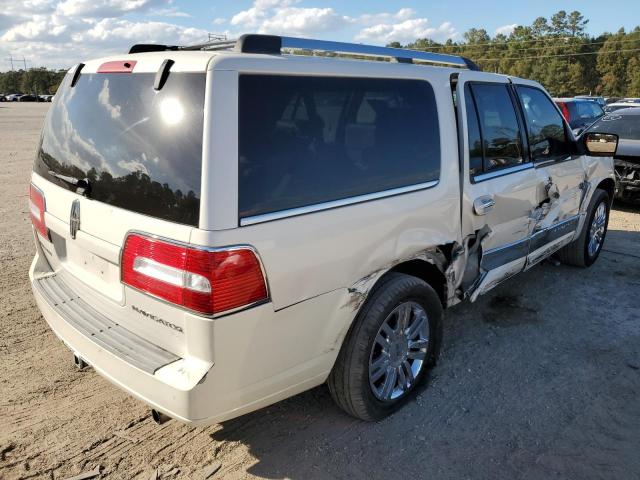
column 60, row 33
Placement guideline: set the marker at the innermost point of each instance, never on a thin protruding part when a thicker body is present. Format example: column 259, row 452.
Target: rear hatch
column 122, row 155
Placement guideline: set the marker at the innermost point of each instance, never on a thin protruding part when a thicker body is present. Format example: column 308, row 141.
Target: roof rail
column 274, row 45
column 256, row 43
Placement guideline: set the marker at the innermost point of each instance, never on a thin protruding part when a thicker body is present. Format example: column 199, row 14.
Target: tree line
column 556, row 52
column 37, row 81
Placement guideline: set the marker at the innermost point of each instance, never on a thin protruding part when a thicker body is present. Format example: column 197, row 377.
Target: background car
column 579, row 112
column 599, row 100
column 626, row 124
column 612, row 107
column 13, row 97
column 28, row 98
column 2, row 97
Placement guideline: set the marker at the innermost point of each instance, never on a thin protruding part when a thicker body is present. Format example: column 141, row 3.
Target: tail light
column 205, row 281
column 37, row 207
column 565, row 111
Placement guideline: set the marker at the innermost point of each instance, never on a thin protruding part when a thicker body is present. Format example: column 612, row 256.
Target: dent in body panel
column 459, row 263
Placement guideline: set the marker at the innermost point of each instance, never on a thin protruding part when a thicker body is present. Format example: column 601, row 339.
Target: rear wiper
column 83, row 187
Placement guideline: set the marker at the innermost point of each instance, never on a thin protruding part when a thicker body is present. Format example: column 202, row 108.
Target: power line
column 559, row 55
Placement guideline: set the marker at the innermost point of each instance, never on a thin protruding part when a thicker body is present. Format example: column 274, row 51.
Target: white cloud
column 169, row 12
column 103, row 98
column 406, row 31
column 104, row 8
column 506, row 29
column 59, row 33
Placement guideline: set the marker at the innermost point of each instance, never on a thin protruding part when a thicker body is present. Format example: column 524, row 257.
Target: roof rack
column 274, row 45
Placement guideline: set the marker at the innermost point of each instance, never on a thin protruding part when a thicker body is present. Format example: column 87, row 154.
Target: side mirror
column 601, row 144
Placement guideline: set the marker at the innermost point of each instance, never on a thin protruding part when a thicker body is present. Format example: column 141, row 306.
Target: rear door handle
column 483, row 205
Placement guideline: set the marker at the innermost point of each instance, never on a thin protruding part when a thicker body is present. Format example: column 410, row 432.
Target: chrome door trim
column 294, row 212
column 496, row 257
column 503, row 171
column 542, row 237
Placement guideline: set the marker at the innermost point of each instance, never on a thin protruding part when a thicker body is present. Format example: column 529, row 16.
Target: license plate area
column 93, row 270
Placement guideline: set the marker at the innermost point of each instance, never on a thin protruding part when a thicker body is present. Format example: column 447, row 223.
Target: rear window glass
column 308, row 140
column 137, row 148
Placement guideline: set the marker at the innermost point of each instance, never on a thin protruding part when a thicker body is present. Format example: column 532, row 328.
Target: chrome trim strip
column 499, row 256
column 294, row 212
column 502, row 171
column 542, row 237
column 370, row 51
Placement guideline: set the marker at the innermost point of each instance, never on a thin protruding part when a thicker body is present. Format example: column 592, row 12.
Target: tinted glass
column 588, row 111
column 308, row 140
column 475, row 140
column 139, row 148
column 545, row 125
column 625, row 126
column 499, row 126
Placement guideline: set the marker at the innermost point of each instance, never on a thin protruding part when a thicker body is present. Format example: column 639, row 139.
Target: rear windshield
column 119, row 141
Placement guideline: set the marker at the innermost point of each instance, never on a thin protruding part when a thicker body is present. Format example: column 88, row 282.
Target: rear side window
column 137, row 148
column 499, row 127
column 545, row 126
column 309, row 140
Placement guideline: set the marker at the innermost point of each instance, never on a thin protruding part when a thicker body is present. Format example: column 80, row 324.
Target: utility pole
column 10, row 59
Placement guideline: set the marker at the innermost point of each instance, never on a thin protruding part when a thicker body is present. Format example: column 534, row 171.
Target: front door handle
column 483, row 205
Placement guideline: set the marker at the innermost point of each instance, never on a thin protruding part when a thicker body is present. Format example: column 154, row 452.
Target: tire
column 578, row 252
column 350, row 383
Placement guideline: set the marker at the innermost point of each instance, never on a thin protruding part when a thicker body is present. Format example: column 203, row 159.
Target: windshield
column 117, row 140
column 625, row 126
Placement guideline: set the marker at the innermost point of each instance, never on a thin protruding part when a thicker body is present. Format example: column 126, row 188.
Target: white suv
column 222, row 226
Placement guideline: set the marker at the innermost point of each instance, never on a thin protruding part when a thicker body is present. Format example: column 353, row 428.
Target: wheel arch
column 422, row 269
column 609, row 186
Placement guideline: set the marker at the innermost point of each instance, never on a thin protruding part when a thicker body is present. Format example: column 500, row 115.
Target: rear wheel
column 389, row 350
column 584, row 251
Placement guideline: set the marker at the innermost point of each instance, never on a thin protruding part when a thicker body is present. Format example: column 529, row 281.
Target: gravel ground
column 538, row 379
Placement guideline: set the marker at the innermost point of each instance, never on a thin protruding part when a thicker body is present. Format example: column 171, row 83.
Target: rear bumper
column 262, row 357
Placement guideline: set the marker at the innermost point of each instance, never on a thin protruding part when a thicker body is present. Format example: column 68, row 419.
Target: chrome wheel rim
column 399, row 351
column 597, row 230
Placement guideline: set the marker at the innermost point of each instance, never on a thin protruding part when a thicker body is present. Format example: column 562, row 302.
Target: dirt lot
column 539, row 379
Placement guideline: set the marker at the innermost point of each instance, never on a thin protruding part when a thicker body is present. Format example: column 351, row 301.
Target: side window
column 547, row 137
column 499, row 127
column 309, row 140
column 475, row 140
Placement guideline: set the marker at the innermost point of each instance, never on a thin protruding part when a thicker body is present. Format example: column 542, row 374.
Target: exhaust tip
column 159, row 417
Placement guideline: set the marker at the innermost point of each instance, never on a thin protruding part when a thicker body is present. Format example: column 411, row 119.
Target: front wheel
column 389, row 350
column 584, row 251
